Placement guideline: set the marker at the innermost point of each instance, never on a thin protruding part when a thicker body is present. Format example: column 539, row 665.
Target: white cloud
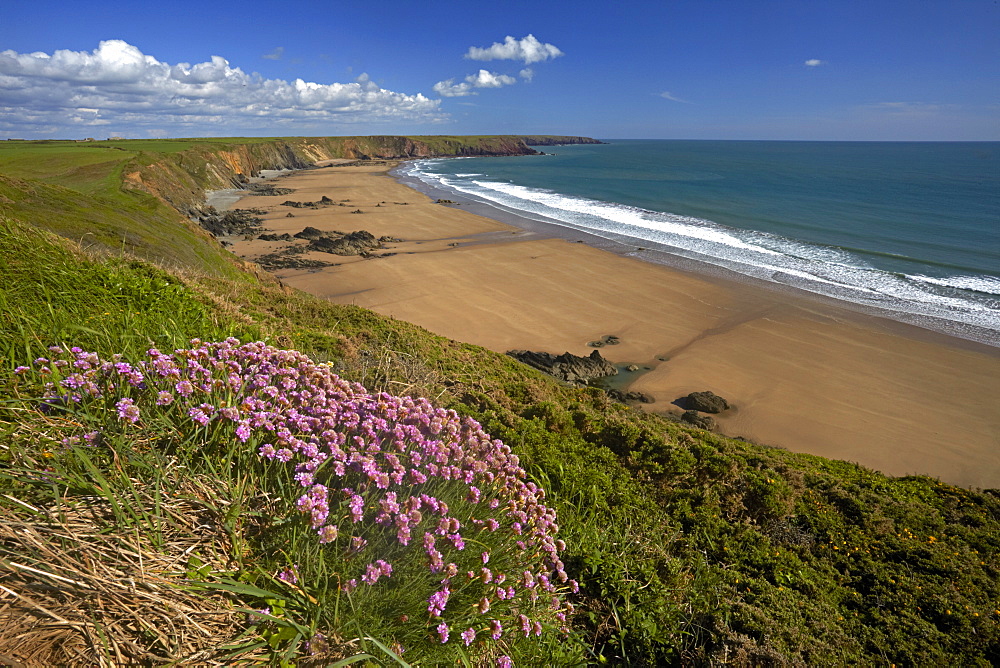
column 482, row 79
column 529, row 50
column 667, row 95
column 814, row 62
column 275, row 55
column 487, row 79
column 117, row 83
column 527, row 74
column 448, row 88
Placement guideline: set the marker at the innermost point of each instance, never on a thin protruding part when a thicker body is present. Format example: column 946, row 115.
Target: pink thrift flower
column 127, row 410
column 442, row 631
column 468, row 635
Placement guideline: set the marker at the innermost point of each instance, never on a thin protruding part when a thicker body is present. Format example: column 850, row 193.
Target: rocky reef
column 568, row 367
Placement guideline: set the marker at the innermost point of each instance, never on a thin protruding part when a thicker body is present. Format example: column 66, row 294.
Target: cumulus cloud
column 529, row 50
column 814, row 62
column 118, row 84
column 275, row 55
column 482, row 79
column 527, row 74
column 487, row 79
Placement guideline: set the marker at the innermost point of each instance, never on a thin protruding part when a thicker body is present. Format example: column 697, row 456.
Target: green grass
column 691, row 548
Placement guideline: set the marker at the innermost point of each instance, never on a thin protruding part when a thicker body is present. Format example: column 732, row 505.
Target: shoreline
column 934, row 326
column 802, row 374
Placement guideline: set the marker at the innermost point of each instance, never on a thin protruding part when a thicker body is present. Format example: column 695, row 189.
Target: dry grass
column 73, row 593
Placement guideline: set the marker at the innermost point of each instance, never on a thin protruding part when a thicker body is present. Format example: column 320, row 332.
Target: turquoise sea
column 908, row 230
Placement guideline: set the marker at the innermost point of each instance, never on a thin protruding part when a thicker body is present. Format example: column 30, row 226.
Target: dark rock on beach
column 626, row 397
column 698, row 420
column 361, row 242
column 275, row 237
column 324, row 201
column 267, row 189
column 608, row 340
column 234, row 221
column 275, row 261
column 568, row 367
column 310, row 233
column 706, row 402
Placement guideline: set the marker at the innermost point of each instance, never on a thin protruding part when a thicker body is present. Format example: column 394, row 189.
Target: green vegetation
column 690, row 548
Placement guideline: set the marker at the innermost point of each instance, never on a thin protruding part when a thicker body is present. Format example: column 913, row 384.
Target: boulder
column 706, row 402
column 698, row 420
column 310, row 233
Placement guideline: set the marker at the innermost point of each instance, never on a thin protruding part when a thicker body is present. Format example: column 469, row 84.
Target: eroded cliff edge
column 181, row 179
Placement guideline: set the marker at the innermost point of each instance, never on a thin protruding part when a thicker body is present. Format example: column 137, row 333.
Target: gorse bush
column 421, row 516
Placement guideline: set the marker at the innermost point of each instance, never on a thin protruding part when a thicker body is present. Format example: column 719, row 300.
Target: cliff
column 181, row 178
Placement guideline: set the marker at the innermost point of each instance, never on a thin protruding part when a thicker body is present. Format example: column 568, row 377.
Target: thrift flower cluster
column 392, row 484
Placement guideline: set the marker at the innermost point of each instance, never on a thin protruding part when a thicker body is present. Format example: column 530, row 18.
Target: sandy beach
column 802, row 374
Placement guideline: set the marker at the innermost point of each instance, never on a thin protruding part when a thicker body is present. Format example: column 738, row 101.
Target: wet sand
column 802, row 374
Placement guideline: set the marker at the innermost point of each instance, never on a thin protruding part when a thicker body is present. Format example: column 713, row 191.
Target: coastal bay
column 801, row 374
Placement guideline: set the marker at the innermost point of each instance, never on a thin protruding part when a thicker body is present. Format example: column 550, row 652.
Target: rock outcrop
column 698, row 420
column 705, row 402
column 361, row 242
column 234, row 221
column 568, row 367
column 625, row 397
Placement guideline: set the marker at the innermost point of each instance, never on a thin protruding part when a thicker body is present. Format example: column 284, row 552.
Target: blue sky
column 708, row 69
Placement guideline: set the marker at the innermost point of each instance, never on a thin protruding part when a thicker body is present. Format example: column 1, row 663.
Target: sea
column 905, row 230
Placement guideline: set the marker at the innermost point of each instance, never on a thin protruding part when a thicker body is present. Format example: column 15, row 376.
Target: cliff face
column 180, row 179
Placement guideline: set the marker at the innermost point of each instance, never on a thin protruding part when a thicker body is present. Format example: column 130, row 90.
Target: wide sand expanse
column 802, row 374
